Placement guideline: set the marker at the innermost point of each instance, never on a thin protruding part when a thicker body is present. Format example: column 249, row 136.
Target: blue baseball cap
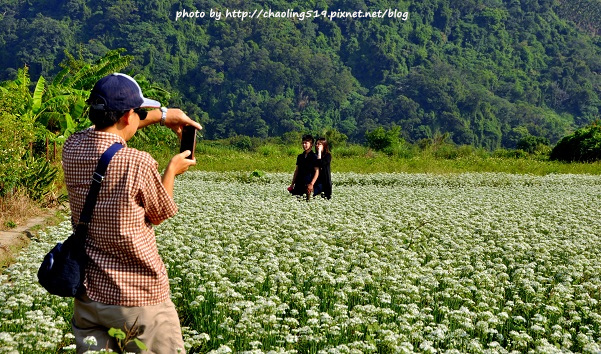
column 119, row 92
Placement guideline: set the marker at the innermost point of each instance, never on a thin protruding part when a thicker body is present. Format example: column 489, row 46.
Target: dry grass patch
column 10, row 246
column 20, row 219
column 16, row 209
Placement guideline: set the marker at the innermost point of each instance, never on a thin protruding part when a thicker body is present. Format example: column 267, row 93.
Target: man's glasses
column 142, row 113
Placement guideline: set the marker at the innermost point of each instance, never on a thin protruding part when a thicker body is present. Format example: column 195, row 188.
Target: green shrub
column 402, row 150
column 241, row 142
column 481, row 152
column 335, row 138
column 584, row 145
column 292, row 138
column 268, row 150
column 38, row 178
column 154, row 134
column 446, row 151
column 35, row 176
column 509, row 154
column 292, row 151
column 15, row 136
column 533, row 144
column 381, row 139
column 351, row 151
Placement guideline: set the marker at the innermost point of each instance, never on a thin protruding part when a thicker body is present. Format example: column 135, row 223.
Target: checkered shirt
column 125, row 268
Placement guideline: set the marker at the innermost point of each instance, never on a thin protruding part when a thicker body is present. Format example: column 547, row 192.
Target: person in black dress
column 307, row 171
column 324, row 158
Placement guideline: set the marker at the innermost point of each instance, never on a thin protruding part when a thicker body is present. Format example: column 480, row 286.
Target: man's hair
column 102, row 118
column 308, row 137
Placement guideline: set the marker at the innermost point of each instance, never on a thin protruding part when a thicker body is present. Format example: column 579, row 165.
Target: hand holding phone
column 188, row 140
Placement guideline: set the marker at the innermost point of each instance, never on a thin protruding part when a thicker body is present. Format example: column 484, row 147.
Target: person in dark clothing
column 307, row 171
column 324, row 158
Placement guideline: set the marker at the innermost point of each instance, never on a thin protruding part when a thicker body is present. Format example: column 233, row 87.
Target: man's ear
column 126, row 117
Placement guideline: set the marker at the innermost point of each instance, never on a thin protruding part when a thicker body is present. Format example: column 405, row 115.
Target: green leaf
column 55, row 103
column 69, row 122
column 117, row 333
column 78, row 109
column 38, row 92
column 142, row 136
column 59, row 77
column 140, row 345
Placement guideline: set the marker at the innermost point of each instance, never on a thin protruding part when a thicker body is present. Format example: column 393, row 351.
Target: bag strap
column 97, row 177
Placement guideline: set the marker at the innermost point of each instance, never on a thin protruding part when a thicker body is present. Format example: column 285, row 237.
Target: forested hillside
column 489, row 72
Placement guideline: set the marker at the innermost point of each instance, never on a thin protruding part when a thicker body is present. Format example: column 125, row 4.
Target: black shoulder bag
column 63, row 270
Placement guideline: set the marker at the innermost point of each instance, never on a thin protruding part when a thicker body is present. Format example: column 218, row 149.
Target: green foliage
column 447, row 151
column 584, row 13
column 18, row 168
column 402, row 150
column 117, row 333
column 292, row 138
column 63, row 110
column 47, row 112
column 449, row 158
column 381, row 139
column 335, row 138
column 482, row 72
column 156, row 140
column 17, row 133
column 584, row 145
column 268, row 150
column 351, row 151
column 510, row 154
column 241, row 142
column 532, row 144
column 38, row 178
column 124, row 337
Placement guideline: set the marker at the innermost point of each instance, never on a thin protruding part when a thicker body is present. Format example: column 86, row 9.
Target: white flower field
column 476, row 263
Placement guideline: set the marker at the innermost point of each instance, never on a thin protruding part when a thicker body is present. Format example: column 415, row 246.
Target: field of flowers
column 393, row 263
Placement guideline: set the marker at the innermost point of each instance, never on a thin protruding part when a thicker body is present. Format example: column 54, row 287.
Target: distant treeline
column 490, row 73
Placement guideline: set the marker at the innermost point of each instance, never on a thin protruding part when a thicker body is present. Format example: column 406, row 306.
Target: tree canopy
column 490, row 73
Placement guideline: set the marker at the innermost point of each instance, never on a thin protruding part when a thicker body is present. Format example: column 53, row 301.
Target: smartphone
column 188, row 140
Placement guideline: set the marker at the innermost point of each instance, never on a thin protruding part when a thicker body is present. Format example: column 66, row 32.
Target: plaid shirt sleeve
column 157, row 203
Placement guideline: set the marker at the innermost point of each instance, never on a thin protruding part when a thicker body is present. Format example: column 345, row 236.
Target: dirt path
column 12, row 241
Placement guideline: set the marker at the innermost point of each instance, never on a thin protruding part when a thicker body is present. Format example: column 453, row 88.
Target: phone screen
column 188, row 140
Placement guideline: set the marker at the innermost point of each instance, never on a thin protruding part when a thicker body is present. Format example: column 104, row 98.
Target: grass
column 281, row 158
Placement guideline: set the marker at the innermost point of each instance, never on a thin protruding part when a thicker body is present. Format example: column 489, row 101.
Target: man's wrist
column 163, row 115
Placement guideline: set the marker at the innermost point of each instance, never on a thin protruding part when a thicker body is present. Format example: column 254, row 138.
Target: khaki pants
column 158, row 326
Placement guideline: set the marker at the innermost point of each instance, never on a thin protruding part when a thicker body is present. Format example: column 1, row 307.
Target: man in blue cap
column 126, row 281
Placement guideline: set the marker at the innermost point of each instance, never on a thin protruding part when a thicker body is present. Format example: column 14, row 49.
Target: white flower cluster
column 31, row 320
column 397, row 263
